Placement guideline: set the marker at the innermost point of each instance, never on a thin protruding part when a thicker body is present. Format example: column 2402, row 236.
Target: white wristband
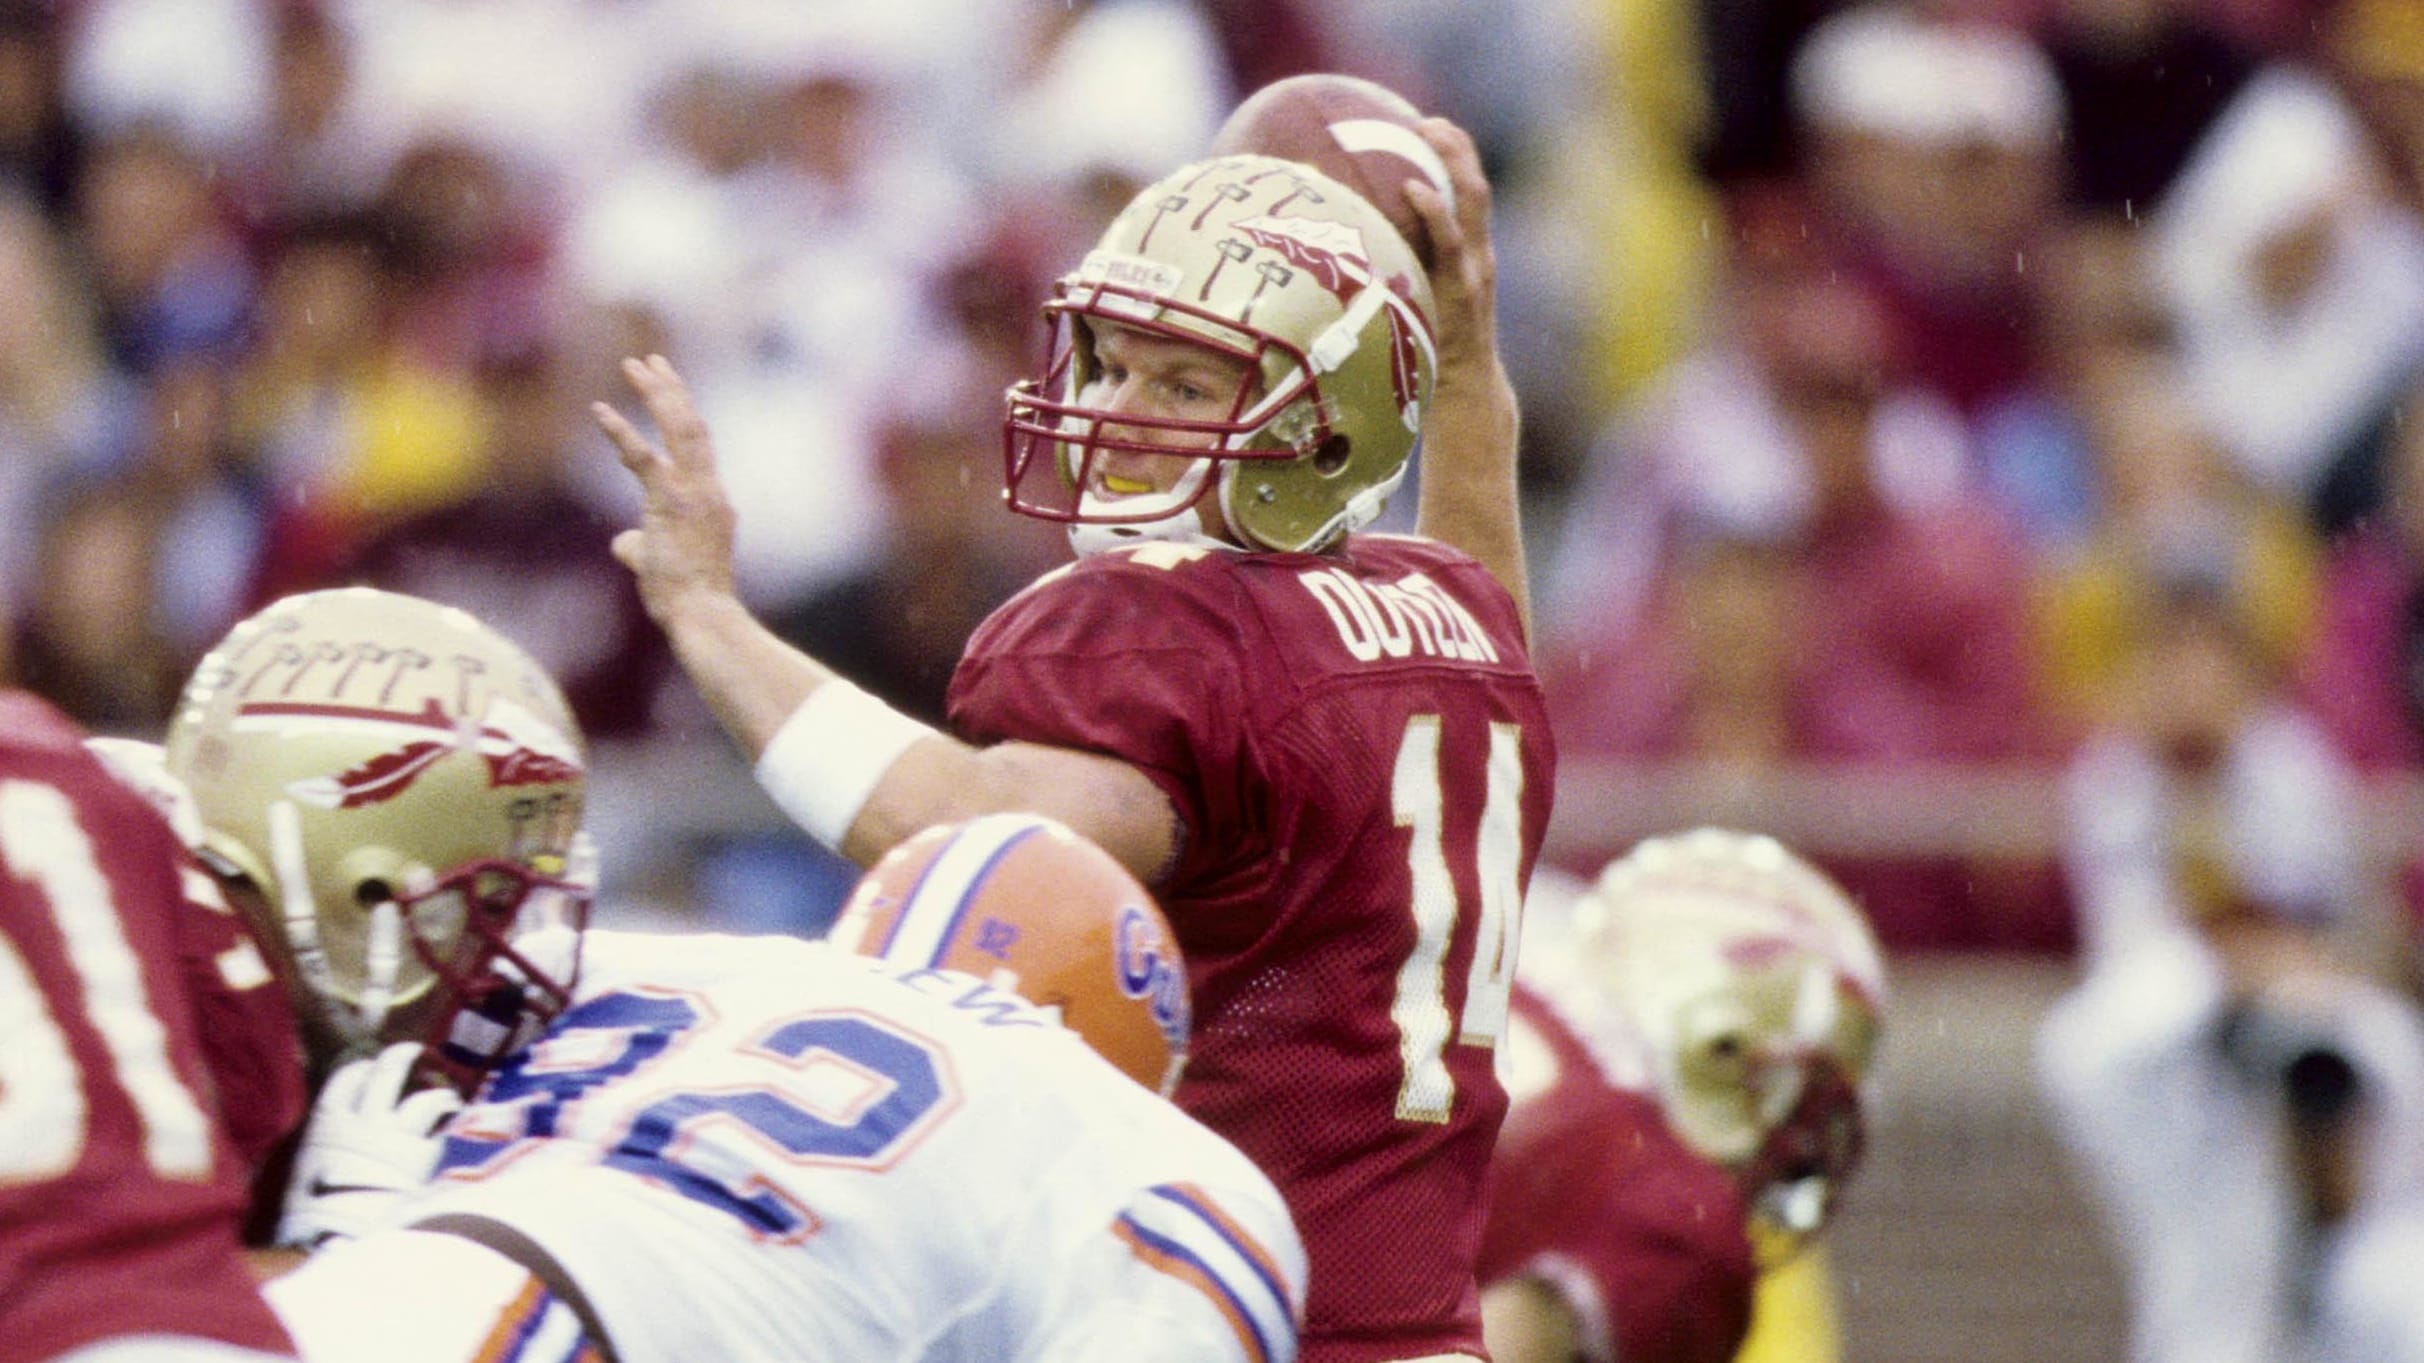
column 825, row 761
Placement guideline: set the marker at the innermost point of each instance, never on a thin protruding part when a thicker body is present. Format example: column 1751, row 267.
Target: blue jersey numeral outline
column 922, row 1090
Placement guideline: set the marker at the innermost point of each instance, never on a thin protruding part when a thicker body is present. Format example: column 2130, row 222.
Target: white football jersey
column 754, row 1148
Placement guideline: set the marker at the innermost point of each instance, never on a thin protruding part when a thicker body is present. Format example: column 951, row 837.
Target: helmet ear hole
column 1330, row 459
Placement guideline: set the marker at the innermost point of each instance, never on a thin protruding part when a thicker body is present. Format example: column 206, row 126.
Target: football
column 1358, row 132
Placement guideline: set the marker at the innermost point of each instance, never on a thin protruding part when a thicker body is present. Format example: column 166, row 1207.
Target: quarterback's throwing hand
column 683, row 545
column 1464, row 280
column 1474, row 427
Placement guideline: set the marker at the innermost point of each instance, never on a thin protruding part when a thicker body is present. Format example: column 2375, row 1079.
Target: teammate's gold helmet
column 399, row 782
column 1760, row 992
column 1270, row 263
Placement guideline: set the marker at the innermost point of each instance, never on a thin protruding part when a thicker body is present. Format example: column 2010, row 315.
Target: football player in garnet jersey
column 147, row 1059
column 1325, row 750
column 1691, row 1036
column 359, row 796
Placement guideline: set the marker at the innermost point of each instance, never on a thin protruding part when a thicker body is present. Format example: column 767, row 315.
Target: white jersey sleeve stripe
column 1200, row 1204
column 536, row 1327
column 1179, row 1231
column 1174, row 1260
column 931, row 918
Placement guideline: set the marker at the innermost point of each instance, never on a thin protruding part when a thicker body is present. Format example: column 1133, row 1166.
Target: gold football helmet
column 401, row 785
column 1272, row 264
column 1759, row 991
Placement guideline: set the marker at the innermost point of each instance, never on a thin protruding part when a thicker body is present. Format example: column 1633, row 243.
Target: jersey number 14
column 1425, row 1023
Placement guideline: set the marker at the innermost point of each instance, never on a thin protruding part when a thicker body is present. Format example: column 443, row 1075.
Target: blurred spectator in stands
column 165, row 265
column 1746, row 52
column 352, row 426
column 1157, row 61
column 208, row 504
column 525, row 550
column 1840, row 623
column 1726, row 436
column 852, row 209
column 1702, row 672
column 197, row 70
column 2243, row 1091
column 55, row 404
column 2364, row 677
column 2097, row 317
column 2297, row 279
column 42, row 147
column 656, row 242
column 989, row 300
column 2142, row 80
column 545, row 87
column 139, row 565
column 2170, row 502
column 469, row 246
column 323, row 150
column 840, row 224
column 2277, row 26
column 1609, row 243
column 2374, row 52
column 1264, row 40
column 1935, row 161
column 899, row 622
column 85, row 638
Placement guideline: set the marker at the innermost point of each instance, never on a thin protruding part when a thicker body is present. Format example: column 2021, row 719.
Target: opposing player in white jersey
column 760, row 1148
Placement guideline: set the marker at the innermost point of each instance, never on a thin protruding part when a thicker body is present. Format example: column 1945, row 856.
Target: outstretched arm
column 1471, row 433
column 856, row 774
column 681, row 553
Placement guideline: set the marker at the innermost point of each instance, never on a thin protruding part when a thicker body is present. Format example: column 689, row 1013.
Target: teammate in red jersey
column 1690, row 1040
column 1325, row 750
column 147, row 1060
column 373, row 787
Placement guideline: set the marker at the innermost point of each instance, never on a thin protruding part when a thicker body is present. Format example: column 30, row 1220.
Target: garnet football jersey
column 1594, row 1195
column 120, row 1194
column 1357, row 747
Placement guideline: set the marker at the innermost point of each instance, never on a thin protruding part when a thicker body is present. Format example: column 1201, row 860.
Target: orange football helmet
column 1029, row 906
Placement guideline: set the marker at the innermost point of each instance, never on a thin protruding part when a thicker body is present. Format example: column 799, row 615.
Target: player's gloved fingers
column 345, row 1087
column 424, row 1112
column 390, row 1075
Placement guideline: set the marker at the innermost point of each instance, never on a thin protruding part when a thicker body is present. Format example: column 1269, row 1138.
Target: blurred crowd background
column 1926, row 400
column 1965, row 438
